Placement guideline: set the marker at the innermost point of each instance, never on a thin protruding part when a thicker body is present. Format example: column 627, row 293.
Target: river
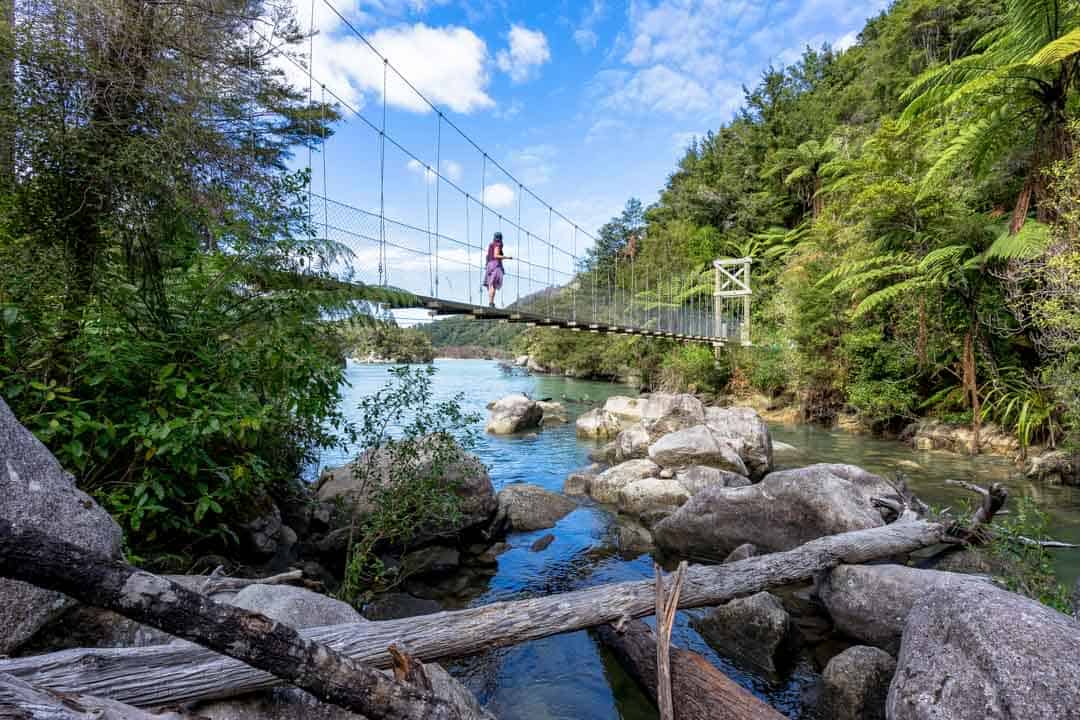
column 570, row 676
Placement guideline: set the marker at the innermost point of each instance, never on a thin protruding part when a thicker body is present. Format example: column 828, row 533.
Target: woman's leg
column 491, row 294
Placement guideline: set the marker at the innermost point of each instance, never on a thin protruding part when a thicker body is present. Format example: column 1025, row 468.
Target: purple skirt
column 493, row 274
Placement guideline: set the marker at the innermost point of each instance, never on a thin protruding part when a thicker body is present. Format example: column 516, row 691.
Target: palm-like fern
column 1011, row 94
column 802, row 170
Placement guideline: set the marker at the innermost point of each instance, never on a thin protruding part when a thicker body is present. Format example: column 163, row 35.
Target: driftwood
column 667, row 602
column 19, row 701
column 217, row 581
column 992, row 500
column 35, row 557
column 701, row 691
column 152, row 676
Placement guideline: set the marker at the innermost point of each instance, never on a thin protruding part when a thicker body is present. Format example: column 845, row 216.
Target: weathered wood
column 35, row 557
column 700, row 691
column 179, row 672
column 19, row 701
column 667, row 602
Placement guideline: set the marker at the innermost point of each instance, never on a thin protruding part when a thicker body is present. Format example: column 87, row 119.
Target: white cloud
column 847, row 40
column 659, row 88
column 428, row 173
column 534, row 165
column 527, row 52
column 498, row 196
column 586, row 39
column 452, row 170
column 351, row 71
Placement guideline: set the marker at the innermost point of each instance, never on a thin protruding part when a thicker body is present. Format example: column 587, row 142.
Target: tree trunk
column 150, row 677
column 818, row 201
column 700, row 690
column 921, row 343
column 32, row 556
column 971, row 389
column 19, row 701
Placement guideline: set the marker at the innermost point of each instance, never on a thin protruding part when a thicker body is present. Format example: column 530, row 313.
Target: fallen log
column 19, row 701
column 35, row 557
column 699, row 689
column 154, row 676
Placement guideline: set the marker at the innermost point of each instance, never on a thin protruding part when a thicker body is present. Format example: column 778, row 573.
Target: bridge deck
column 445, row 307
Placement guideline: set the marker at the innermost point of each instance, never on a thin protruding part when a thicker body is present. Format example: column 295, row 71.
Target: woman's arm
column 499, row 256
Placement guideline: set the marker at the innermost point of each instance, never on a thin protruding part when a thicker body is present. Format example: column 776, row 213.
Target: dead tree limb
column 19, row 701
column 34, row 557
column 216, row 582
column 700, row 690
column 149, row 676
column 976, row 531
column 667, row 602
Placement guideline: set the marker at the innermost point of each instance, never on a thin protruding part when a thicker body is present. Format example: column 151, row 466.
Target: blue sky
column 587, row 103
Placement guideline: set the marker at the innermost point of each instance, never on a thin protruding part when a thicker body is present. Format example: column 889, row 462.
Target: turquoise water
column 570, row 676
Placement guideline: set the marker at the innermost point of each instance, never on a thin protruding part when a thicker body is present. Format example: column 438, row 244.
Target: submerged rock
column 598, row 423
column 976, row 652
column 542, row 543
column 754, row 631
column 784, row 510
column 514, row 414
column 696, row 445
column 36, row 491
column 855, row 684
column 531, row 507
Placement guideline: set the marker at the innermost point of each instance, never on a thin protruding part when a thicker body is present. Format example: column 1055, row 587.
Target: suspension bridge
column 423, row 200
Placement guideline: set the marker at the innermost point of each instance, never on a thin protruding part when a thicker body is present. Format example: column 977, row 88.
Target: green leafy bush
column 410, row 441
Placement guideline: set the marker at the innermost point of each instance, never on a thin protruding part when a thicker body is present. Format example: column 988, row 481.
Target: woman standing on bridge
column 493, row 270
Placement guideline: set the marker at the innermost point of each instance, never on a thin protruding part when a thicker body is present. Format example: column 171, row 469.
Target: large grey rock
column 465, row 474
column 698, row 477
column 296, row 606
column 664, row 413
column 696, row 445
column 754, row 631
column 598, row 424
column 855, row 684
column 784, row 510
column 531, row 507
column 749, row 433
column 627, row 409
column 633, row 442
column 605, row 487
column 36, row 492
column 1058, row 467
column 554, row 413
column 631, row 537
column 651, row 494
column 976, row 652
column 514, row 414
column 870, row 603
column 579, row 481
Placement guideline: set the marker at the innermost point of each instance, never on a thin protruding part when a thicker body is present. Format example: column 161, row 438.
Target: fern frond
column 938, row 262
column 891, row 293
column 1030, row 242
column 870, row 277
column 1058, row 50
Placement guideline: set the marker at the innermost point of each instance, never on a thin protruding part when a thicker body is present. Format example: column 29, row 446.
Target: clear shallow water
column 570, row 676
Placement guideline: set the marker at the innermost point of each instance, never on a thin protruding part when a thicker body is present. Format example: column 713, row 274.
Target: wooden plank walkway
column 448, row 307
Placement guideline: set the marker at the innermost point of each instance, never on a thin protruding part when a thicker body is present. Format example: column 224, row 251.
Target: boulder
column 514, row 414
column 605, row 454
column 698, row 477
column 744, row 425
column 521, row 360
column 783, row 511
column 579, row 481
column 631, row 443
column 756, row 632
column 264, row 534
column 296, row 606
column 605, row 487
column 431, row 560
column 554, row 413
column 976, row 651
column 599, row 424
column 542, row 544
column 650, row 495
column 695, row 445
column 531, row 507
column 954, row 437
column 631, row 537
column 395, row 605
column 1059, row 467
column 744, row 551
column 870, row 603
column 665, row 413
column 855, row 684
column 535, row 366
column 627, row 409
column 465, row 474
column 36, row 491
